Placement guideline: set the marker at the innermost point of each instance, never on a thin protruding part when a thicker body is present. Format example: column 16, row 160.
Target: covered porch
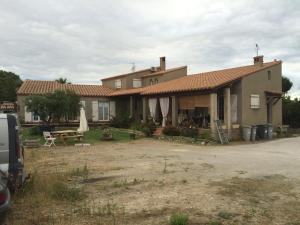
column 199, row 109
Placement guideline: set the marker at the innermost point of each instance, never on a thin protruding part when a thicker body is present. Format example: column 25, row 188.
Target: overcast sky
column 86, row 40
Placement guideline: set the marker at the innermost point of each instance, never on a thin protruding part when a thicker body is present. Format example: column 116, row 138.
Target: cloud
column 86, row 41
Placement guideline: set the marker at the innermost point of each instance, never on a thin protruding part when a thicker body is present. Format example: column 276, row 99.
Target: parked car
column 4, row 193
column 11, row 152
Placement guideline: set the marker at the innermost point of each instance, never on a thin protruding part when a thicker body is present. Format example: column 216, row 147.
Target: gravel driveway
column 255, row 183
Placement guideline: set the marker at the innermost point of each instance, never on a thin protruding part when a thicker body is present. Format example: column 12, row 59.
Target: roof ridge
column 240, row 67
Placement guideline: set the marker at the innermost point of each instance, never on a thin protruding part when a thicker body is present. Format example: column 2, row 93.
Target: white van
column 11, row 151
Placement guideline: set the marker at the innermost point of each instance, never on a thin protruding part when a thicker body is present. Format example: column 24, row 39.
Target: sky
column 85, row 41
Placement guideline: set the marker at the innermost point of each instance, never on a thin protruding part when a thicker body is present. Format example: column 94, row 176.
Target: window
column 35, row 117
column 254, row 102
column 118, row 83
column 269, row 75
column 151, row 82
column 103, row 111
column 137, row 83
column 156, row 81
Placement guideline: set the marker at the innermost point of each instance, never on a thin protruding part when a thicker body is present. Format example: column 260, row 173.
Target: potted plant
column 107, row 135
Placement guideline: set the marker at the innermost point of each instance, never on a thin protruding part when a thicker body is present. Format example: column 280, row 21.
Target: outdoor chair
column 49, row 139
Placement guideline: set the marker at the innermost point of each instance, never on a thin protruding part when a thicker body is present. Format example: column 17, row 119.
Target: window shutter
column 254, row 102
column 95, row 109
column 28, row 115
column 233, row 100
column 112, row 109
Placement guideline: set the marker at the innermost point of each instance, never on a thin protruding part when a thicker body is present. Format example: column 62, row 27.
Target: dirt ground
column 145, row 181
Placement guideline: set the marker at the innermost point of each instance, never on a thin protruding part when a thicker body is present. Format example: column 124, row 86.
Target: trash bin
column 262, row 131
column 270, row 131
column 246, row 133
column 253, row 133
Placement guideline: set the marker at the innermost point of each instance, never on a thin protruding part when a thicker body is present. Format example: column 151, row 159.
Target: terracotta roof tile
column 127, row 92
column 43, row 87
column 204, row 81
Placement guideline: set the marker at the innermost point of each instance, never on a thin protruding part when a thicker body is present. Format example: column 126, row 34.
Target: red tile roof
column 7, row 106
column 162, row 72
column 36, row 87
column 131, row 91
column 196, row 82
column 205, row 81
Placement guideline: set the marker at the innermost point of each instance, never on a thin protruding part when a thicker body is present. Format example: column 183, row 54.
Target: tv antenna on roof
column 133, row 67
column 256, row 49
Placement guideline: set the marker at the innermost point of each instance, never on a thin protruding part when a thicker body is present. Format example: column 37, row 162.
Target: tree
column 286, row 84
column 54, row 106
column 290, row 111
column 62, row 80
column 9, row 83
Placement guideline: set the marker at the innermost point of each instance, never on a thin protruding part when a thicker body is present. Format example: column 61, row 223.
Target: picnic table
column 64, row 135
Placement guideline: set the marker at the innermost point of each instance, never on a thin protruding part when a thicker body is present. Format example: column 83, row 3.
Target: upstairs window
column 151, row 82
column 118, row 83
column 136, row 83
column 254, row 102
column 156, row 81
column 269, row 75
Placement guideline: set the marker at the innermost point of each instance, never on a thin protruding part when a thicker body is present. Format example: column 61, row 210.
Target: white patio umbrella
column 83, row 126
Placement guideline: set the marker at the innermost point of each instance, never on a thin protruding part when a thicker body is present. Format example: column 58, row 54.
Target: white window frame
column 254, row 101
column 118, row 83
column 101, row 105
column 137, row 83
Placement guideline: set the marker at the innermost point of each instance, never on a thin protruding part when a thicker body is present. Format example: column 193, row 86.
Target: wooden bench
column 78, row 137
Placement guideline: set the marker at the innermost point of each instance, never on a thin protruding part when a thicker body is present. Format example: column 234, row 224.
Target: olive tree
column 55, row 106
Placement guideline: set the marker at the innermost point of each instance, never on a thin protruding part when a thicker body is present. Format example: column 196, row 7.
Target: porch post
column 174, row 111
column 227, row 111
column 131, row 106
column 213, row 113
column 144, row 109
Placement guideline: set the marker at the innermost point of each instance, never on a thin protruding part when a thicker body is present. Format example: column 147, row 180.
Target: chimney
column 162, row 63
column 258, row 60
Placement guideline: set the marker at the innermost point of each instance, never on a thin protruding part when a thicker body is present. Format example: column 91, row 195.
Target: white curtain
column 152, row 107
column 164, row 105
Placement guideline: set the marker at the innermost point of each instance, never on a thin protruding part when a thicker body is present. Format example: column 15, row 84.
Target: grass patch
column 92, row 136
column 80, row 172
column 125, row 183
column 253, row 187
column 225, row 215
column 62, row 191
column 179, row 219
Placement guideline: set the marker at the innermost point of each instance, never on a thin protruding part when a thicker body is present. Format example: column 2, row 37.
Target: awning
column 273, row 96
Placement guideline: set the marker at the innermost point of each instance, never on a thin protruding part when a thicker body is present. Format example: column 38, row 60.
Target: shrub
column 146, row 131
column 147, row 128
column 121, row 121
column 179, row 219
column 192, row 132
column 205, row 135
column 78, row 172
column 34, row 131
column 171, row 131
